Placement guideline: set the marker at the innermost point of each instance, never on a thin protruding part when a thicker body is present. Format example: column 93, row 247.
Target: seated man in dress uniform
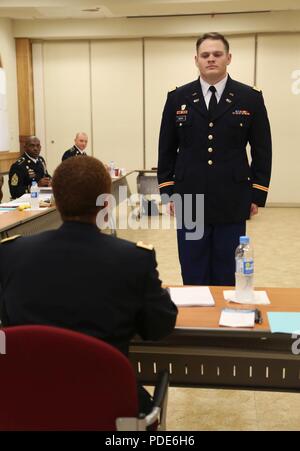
column 85, row 280
column 31, row 166
column 80, row 141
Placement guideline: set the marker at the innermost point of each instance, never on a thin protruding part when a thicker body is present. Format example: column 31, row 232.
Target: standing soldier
column 205, row 129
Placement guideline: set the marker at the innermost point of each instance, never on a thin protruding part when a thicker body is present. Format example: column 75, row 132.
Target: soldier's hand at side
column 171, row 208
column 44, row 181
column 253, row 210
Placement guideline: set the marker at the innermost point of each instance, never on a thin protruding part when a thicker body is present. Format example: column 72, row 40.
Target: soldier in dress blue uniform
column 81, row 140
column 84, row 280
column 205, row 128
column 31, row 166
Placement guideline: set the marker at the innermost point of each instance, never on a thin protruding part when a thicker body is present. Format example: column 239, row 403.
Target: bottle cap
column 244, row 240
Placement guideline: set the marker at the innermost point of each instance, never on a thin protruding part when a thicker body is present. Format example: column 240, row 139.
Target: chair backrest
column 57, row 379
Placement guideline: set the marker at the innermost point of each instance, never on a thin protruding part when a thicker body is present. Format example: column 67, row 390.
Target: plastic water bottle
column 112, row 168
column 244, row 271
column 34, row 195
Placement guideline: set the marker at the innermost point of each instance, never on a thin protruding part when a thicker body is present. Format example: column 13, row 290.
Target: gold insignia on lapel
column 14, row 180
column 149, row 247
column 256, row 89
column 10, row 238
column 228, row 100
column 183, row 107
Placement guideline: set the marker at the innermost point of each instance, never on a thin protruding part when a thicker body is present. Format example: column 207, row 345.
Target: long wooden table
column 200, row 353
column 28, row 222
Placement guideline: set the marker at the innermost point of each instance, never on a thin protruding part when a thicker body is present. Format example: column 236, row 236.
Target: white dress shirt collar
column 31, row 158
column 81, row 151
column 220, row 86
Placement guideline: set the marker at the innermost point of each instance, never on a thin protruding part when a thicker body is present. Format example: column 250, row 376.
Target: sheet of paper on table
column 191, row 296
column 237, row 318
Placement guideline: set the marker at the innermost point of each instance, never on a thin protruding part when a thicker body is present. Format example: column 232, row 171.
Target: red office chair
column 57, row 379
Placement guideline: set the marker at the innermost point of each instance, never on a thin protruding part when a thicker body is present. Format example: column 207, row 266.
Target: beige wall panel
column 170, row 63
column 278, row 61
column 242, row 64
column 67, row 96
column 117, row 101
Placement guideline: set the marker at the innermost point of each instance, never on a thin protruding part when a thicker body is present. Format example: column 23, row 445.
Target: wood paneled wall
column 7, row 159
column 25, row 89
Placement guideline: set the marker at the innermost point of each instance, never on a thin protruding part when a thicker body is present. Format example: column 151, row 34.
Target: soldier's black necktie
column 213, row 101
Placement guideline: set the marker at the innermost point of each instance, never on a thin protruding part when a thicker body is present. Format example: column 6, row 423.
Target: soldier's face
column 212, row 60
column 33, row 147
column 81, row 141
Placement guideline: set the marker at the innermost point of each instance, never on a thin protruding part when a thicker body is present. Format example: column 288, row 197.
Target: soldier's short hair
column 77, row 182
column 214, row 36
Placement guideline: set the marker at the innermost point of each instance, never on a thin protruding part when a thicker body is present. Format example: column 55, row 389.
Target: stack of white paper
column 191, row 296
column 260, row 297
column 237, row 318
column 25, row 199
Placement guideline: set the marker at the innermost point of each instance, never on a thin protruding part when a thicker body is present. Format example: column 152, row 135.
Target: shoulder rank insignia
column 10, row 238
column 20, row 160
column 14, row 180
column 149, row 247
column 256, row 89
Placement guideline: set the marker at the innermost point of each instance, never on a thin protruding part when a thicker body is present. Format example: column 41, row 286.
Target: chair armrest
column 156, row 419
column 161, row 389
column 160, row 400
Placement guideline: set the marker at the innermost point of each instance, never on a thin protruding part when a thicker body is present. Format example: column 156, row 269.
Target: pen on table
column 258, row 317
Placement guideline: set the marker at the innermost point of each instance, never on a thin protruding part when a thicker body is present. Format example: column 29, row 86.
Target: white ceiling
column 85, row 9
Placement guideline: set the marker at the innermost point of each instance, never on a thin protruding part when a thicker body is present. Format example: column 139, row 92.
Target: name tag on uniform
column 180, row 118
